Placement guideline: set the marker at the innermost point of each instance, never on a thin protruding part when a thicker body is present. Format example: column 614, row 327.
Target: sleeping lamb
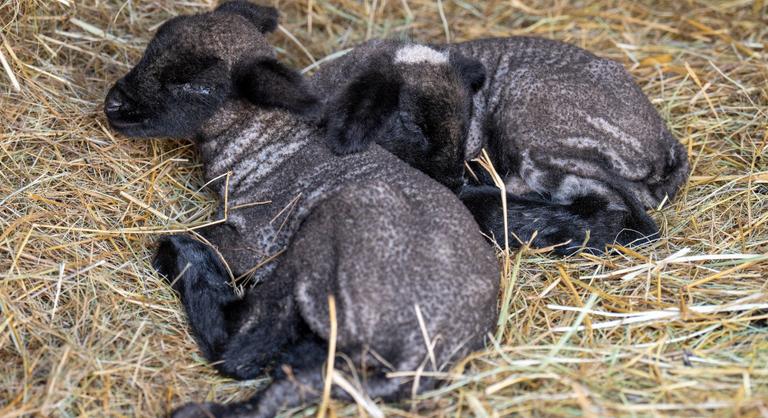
column 577, row 143
column 414, row 285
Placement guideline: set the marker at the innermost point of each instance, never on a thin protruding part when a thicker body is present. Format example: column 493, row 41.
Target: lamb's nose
column 113, row 103
column 116, row 101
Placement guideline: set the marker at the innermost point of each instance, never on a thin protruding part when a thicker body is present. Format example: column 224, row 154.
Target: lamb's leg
column 267, row 322
column 301, row 387
column 556, row 223
column 197, row 273
column 303, row 384
column 241, row 335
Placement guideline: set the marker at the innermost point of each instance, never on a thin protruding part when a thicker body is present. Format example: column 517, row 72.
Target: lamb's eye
column 192, row 88
column 186, row 68
column 409, row 123
column 414, row 134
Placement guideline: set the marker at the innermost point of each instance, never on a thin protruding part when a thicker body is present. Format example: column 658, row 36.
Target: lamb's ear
column 354, row 116
column 264, row 17
column 472, row 71
column 268, row 83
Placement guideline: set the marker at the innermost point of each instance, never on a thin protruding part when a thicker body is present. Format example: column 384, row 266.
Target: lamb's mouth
column 124, row 124
column 123, row 121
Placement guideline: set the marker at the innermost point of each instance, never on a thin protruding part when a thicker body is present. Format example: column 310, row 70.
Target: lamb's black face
column 429, row 130
column 186, row 71
column 416, row 102
column 167, row 100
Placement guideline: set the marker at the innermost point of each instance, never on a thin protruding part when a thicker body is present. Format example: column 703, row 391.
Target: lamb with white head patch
column 413, row 284
column 582, row 151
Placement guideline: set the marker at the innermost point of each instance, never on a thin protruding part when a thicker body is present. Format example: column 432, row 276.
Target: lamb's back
column 388, row 251
column 556, row 110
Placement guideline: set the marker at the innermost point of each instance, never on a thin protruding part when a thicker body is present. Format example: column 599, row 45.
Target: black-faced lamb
column 414, row 285
column 577, row 143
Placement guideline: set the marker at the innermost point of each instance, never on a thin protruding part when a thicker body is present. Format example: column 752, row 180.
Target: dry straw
column 674, row 328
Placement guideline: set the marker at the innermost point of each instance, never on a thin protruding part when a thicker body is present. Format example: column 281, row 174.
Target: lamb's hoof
column 199, row 410
column 169, row 250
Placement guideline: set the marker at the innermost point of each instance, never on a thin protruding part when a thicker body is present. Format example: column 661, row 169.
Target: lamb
column 577, row 143
column 398, row 252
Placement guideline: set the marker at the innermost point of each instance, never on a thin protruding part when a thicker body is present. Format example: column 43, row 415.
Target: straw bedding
column 675, row 328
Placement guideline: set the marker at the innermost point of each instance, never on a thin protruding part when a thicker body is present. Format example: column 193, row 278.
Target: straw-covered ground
column 675, row 328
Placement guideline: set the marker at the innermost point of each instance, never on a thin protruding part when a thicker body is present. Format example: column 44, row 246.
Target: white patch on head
column 415, row 54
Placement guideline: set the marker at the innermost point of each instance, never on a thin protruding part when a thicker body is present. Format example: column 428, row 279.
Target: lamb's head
column 413, row 100
column 196, row 63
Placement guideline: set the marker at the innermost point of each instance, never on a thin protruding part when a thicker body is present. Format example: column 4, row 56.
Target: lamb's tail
column 587, row 221
column 676, row 170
